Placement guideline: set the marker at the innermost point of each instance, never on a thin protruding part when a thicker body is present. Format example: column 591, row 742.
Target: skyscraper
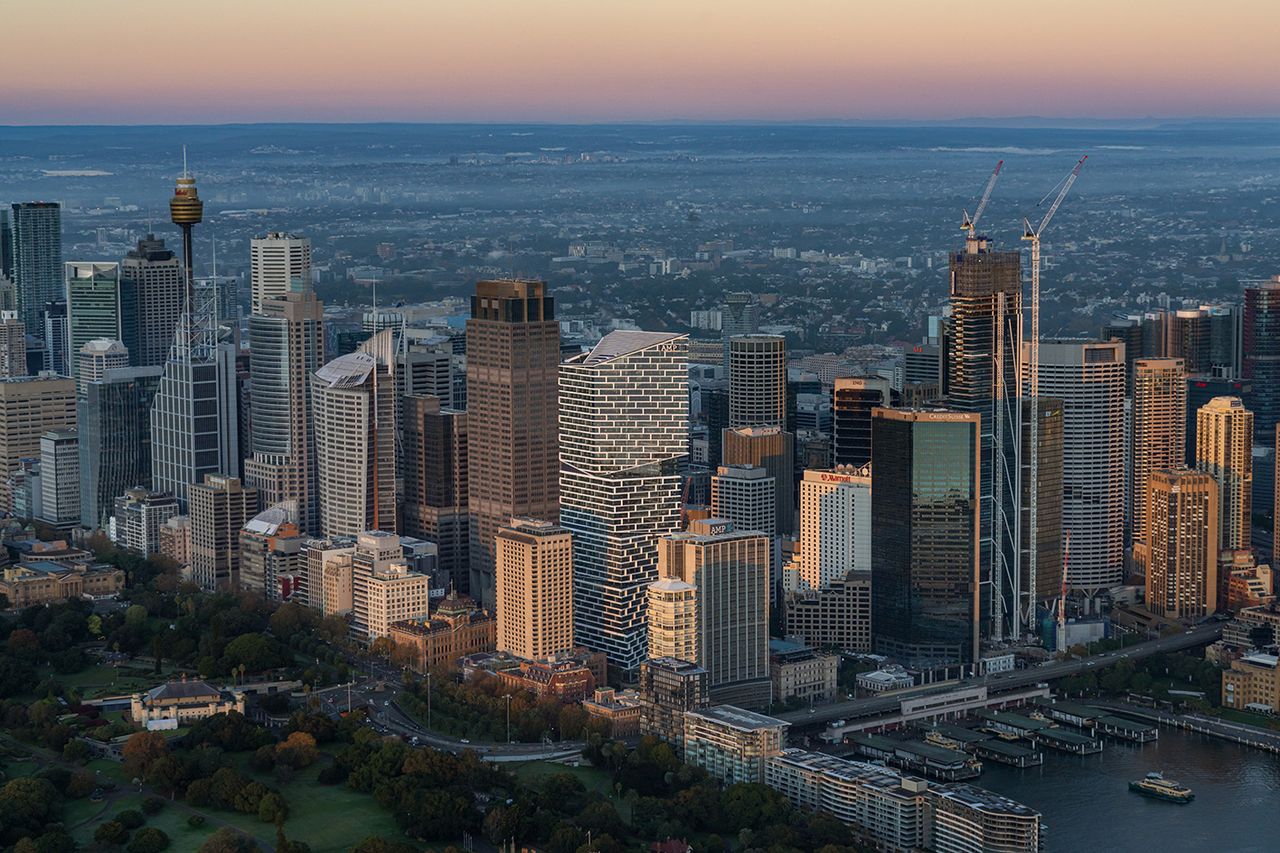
column 95, row 358
column 434, row 443
column 983, row 376
column 835, row 525
column 721, row 615
column 13, row 345
column 29, row 407
column 286, row 346
column 355, row 462
column 1202, row 389
column 1089, row 378
column 1224, row 450
column 36, row 229
column 852, row 399
column 746, row 497
column 623, row 431
column 1045, row 582
column 53, row 326
column 534, row 589
column 757, row 381
column 60, row 478
column 772, row 449
column 279, row 264
column 6, row 249
column 114, row 418
column 272, row 558
column 926, row 591
column 93, row 306
column 738, row 317
column 513, row 362
column 220, row 506
column 194, row 420
column 1159, row 434
column 151, row 296
column 1182, row 543
column 1262, row 354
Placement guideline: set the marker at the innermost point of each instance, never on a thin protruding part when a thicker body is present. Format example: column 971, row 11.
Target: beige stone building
column 1159, row 436
column 30, row 406
column 49, row 582
column 220, row 507
column 457, row 628
column 1182, row 543
column 180, row 703
column 726, row 592
column 534, row 574
column 1253, row 684
column 1224, row 449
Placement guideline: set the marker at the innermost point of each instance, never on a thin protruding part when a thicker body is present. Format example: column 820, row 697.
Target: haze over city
column 597, row 427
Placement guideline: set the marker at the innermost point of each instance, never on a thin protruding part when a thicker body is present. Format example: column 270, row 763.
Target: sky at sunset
column 141, row 61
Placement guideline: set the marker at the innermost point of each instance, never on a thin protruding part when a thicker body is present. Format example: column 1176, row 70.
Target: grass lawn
column 592, row 778
column 1248, row 718
column 329, row 818
column 103, row 679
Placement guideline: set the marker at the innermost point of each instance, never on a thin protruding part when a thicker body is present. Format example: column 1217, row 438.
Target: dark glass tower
column 114, row 419
column 36, row 229
column 852, row 400
column 925, row 586
column 983, row 378
column 1262, row 356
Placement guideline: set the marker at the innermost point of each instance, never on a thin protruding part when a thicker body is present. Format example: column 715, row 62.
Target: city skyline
column 586, row 61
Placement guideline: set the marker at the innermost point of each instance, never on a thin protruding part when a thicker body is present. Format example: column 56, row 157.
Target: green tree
column 112, row 833
column 149, row 840
column 27, row 805
column 227, row 840
column 272, row 808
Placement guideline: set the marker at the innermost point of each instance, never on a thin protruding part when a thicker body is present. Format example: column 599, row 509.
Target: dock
column 930, row 761
column 1129, row 730
column 1065, row 741
column 1003, row 752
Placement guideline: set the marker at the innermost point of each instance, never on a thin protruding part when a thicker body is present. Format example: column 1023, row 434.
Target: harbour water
column 1087, row 805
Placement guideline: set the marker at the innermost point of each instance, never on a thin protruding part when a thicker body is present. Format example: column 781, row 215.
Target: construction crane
column 969, row 226
column 1033, row 235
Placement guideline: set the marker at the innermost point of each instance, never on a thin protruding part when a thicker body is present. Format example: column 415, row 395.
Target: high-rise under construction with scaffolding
column 983, row 370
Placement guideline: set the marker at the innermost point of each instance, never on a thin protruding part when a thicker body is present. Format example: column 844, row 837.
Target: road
column 387, row 716
column 1002, row 682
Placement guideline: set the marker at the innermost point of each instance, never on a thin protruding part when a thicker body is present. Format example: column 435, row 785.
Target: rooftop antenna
column 185, row 173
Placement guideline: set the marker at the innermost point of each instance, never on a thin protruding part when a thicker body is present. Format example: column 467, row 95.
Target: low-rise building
column 620, row 710
column 668, row 688
column 179, row 703
column 889, row 678
column 51, row 581
column 458, row 628
column 799, row 672
column 174, row 539
column 890, row 809
column 732, row 744
column 569, row 677
column 903, row 813
column 1253, row 683
column 966, row 818
column 1253, row 627
column 838, row 617
column 140, row 515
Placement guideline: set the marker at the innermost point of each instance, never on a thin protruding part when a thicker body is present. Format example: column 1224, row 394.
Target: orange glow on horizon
column 72, row 61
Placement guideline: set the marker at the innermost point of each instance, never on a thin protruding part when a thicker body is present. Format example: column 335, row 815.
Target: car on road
column 464, row 740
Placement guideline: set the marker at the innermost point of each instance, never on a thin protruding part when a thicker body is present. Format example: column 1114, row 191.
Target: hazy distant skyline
column 143, row 61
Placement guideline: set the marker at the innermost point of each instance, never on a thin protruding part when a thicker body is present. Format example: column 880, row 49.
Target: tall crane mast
column 968, row 225
column 1033, row 235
